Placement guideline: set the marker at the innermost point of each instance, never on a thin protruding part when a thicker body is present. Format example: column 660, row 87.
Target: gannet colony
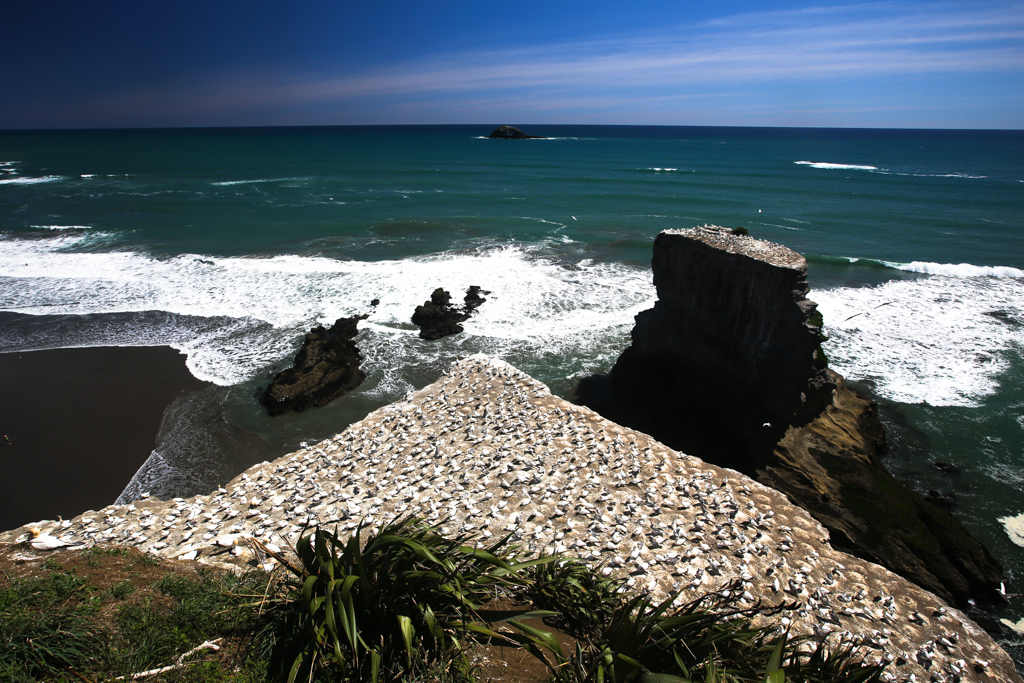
column 487, row 449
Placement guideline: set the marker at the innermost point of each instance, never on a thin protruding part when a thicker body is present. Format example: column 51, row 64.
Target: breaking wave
column 236, row 317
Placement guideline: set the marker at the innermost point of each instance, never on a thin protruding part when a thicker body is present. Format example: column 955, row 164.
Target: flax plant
column 378, row 610
column 624, row 636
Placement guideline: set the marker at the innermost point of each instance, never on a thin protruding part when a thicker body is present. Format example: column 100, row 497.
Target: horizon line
column 441, row 125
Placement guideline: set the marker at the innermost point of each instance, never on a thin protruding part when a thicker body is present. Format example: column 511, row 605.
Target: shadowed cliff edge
column 728, row 367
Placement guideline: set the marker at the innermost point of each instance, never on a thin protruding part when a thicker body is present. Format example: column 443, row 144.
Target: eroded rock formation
column 728, row 357
column 438, row 318
column 727, row 366
column 326, row 367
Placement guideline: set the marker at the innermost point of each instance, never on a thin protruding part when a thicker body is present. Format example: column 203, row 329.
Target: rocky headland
column 487, row 449
column 728, row 367
column 326, row 367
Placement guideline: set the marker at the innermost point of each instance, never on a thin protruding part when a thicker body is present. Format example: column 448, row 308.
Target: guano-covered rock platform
column 488, row 449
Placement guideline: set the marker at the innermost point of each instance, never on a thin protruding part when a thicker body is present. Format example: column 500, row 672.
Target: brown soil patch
column 512, row 664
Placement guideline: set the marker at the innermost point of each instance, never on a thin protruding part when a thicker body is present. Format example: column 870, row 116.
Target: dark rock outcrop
column 728, row 357
column 473, row 299
column 832, row 468
column 512, row 133
column 438, row 318
column 727, row 366
column 326, row 367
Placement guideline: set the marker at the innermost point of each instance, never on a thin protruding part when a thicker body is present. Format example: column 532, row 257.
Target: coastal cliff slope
column 728, row 367
column 487, row 449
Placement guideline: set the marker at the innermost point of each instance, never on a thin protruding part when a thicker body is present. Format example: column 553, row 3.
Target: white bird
column 41, row 541
column 1002, row 592
column 574, row 217
column 767, row 424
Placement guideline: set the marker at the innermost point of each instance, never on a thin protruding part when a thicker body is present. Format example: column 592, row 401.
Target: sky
column 898, row 64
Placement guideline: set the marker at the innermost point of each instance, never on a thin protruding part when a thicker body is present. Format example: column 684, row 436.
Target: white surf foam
column 655, row 168
column 958, row 269
column 830, row 165
column 776, row 225
column 62, row 227
column 31, row 181
column 1014, row 527
column 260, row 180
column 938, row 175
column 536, row 307
column 938, row 340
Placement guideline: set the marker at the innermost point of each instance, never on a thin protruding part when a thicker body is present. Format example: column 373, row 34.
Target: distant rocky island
column 512, row 133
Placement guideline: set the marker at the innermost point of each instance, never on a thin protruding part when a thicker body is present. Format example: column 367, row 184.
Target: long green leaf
column 775, row 661
column 332, row 627
column 374, row 666
column 405, row 625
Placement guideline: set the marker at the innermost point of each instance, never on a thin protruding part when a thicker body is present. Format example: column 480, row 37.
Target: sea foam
column 830, row 165
column 958, row 269
column 259, row 180
column 537, row 309
column 30, row 181
column 938, row 340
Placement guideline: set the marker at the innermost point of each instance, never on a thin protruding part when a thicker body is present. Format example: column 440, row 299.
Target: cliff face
column 730, row 345
column 727, row 367
column 832, row 468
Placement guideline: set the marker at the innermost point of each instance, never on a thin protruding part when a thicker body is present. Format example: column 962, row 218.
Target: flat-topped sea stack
column 487, row 449
column 730, row 342
column 728, row 367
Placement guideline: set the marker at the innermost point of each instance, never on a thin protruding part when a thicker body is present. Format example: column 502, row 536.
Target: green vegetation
column 628, row 637
column 62, row 626
column 399, row 603
column 740, row 231
column 382, row 610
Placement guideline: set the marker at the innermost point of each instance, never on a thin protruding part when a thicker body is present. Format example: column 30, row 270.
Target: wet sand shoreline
column 80, row 422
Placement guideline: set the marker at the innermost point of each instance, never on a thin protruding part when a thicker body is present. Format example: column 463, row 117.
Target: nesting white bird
column 41, row 541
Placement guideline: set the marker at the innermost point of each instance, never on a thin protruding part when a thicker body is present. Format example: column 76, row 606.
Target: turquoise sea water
column 229, row 244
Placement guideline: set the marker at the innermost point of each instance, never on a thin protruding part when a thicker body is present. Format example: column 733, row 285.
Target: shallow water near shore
column 228, row 245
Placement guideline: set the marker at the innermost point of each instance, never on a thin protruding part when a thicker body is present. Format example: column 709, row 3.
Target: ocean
column 229, row 244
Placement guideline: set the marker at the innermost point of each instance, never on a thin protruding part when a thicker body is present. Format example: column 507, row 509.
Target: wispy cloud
column 862, row 41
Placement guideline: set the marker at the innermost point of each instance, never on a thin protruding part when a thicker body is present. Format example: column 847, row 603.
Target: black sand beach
column 80, row 423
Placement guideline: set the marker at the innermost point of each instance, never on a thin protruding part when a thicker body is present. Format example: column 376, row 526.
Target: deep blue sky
column 186, row 63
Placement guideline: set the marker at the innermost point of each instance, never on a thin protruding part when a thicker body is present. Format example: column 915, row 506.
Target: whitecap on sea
column 834, row 166
column 938, row 340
